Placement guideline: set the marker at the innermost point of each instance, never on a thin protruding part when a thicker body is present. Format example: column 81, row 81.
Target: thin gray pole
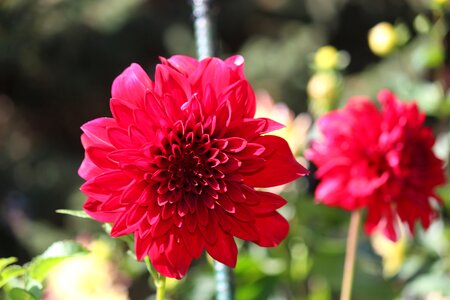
column 202, row 28
column 224, row 282
column 205, row 48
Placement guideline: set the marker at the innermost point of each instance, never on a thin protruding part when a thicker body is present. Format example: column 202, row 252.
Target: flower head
column 178, row 162
column 381, row 160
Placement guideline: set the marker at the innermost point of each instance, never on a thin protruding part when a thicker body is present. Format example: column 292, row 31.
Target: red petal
column 119, row 138
column 224, row 250
column 99, row 156
column 209, row 231
column 92, row 208
column 235, row 144
column 131, row 86
column 223, row 118
column 225, row 202
column 159, row 260
column 142, row 245
column 202, row 214
column 194, row 242
column 88, row 169
column 191, row 223
column 161, row 227
column 96, row 131
column 230, row 224
column 250, row 128
column 281, row 166
column 268, row 203
column 242, row 99
column 120, row 226
column 121, row 112
column 136, row 135
column 173, row 88
column 252, row 165
column 112, row 180
column 134, row 193
column 272, row 229
column 183, row 64
column 178, row 256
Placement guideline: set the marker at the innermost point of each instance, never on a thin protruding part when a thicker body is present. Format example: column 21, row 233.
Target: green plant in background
column 27, row 282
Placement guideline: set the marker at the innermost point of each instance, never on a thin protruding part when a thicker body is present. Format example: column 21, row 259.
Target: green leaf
column 11, row 272
column 40, row 266
column 34, row 287
column 19, row 294
column 6, row 262
column 75, row 213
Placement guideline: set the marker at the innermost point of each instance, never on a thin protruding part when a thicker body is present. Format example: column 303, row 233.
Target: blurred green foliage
column 59, row 57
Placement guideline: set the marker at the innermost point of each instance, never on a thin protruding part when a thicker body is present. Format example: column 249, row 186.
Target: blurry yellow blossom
column 392, row 253
column 322, row 86
column 87, row 277
column 296, row 128
column 326, row 58
column 322, row 90
column 382, row 38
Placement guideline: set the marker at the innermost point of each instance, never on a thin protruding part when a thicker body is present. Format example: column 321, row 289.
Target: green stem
column 350, row 256
column 160, row 288
column 158, row 280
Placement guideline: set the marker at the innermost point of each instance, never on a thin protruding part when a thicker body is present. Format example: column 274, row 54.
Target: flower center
column 187, row 161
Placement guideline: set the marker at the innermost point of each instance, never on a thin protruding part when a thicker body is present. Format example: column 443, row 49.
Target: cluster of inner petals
column 190, row 163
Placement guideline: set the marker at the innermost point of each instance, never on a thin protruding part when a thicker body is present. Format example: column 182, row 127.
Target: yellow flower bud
column 382, row 38
column 322, row 86
column 326, row 58
column 322, row 89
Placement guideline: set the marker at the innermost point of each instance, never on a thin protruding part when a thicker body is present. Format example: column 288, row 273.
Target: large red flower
column 178, row 162
column 381, row 160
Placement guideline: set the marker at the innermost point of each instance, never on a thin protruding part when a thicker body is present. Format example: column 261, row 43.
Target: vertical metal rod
column 202, row 28
column 224, row 283
column 205, row 48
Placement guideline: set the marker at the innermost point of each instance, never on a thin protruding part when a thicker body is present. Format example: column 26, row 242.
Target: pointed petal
column 268, row 203
column 121, row 112
column 92, row 208
column 194, row 242
column 272, row 229
column 281, row 166
column 131, row 86
column 95, row 132
column 224, row 250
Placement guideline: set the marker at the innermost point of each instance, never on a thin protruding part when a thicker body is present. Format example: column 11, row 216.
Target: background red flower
column 381, row 160
column 177, row 163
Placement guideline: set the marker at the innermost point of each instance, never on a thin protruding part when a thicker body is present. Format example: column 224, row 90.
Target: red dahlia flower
column 178, row 162
column 378, row 159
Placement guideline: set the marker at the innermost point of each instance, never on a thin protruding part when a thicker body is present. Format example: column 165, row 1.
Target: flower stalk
column 350, row 256
column 158, row 280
